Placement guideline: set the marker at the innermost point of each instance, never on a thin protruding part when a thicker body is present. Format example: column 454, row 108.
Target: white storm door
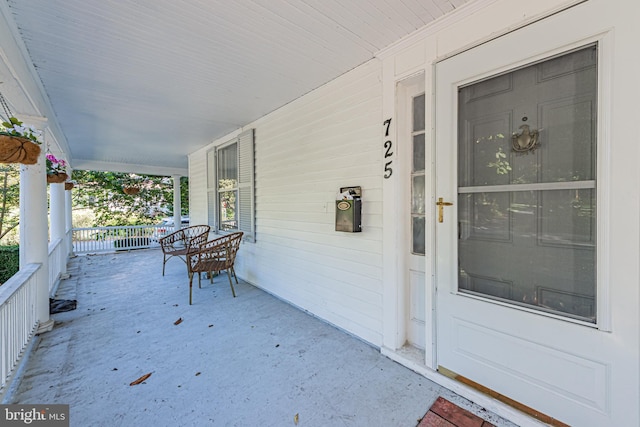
column 516, row 158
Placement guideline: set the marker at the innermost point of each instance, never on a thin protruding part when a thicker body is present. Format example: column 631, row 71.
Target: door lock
column 440, row 203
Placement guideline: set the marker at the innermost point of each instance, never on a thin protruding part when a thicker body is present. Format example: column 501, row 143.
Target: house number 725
column 388, row 145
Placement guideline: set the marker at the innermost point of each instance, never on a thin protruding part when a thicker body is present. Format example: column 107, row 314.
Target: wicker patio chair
column 215, row 256
column 183, row 242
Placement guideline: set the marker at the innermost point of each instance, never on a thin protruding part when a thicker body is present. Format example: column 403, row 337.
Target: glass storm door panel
column 526, row 186
column 516, row 180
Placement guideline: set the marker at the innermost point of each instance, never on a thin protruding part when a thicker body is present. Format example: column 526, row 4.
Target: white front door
column 516, row 252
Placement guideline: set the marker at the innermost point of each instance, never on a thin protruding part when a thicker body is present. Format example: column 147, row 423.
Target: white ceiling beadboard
column 138, row 84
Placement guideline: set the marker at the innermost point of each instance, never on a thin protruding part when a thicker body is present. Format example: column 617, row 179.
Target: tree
column 102, row 192
column 9, row 199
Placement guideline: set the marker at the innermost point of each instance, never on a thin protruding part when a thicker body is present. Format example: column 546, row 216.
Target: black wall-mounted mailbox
column 349, row 210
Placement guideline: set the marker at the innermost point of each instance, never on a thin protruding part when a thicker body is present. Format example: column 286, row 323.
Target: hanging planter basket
column 68, row 186
column 132, row 191
column 15, row 149
column 56, row 178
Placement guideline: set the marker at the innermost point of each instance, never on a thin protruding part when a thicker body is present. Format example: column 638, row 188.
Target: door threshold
column 410, row 357
column 412, row 353
column 502, row 398
column 407, row 359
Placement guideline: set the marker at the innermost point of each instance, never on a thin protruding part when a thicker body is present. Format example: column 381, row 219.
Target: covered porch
column 250, row 360
column 272, row 110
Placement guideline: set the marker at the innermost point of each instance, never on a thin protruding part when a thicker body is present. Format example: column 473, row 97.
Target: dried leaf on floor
column 296, row 417
column 177, row 322
column 141, row 379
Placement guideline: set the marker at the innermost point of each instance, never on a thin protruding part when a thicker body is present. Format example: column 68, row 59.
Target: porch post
column 68, row 219
column 177, row 208
column 57, row 218
column 34, row 234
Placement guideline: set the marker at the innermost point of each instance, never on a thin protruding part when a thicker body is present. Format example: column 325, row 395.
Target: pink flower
column 54, row 165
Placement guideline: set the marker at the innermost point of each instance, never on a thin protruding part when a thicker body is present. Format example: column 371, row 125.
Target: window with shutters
column 230, row 186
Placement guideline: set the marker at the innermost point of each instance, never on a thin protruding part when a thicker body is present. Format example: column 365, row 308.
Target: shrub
column 9, row 262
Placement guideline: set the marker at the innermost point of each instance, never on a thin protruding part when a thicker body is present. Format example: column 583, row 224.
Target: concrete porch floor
column 253, row 360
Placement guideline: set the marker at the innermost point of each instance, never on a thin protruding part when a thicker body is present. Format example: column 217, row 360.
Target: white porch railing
column 18, row 320
column 57, row 255
column 118, row 238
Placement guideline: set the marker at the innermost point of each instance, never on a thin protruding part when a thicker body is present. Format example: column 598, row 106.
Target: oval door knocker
column 526, row 140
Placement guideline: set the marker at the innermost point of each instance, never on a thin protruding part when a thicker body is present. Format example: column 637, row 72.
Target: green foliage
column 14, row 127
column 55, row 165
column 102, row 193
column 98, row 198
column 9, row 199
column 83, row 218
column 501, row 164
column 9, row 262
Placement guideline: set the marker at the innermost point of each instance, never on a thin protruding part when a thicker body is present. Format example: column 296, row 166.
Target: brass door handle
column 441, row 203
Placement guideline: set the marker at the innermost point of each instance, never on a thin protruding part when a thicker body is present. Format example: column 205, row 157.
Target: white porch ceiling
column 138, row 84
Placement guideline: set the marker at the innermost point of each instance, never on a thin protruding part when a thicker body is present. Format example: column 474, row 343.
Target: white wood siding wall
column 305, row 152
column 198, row 189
